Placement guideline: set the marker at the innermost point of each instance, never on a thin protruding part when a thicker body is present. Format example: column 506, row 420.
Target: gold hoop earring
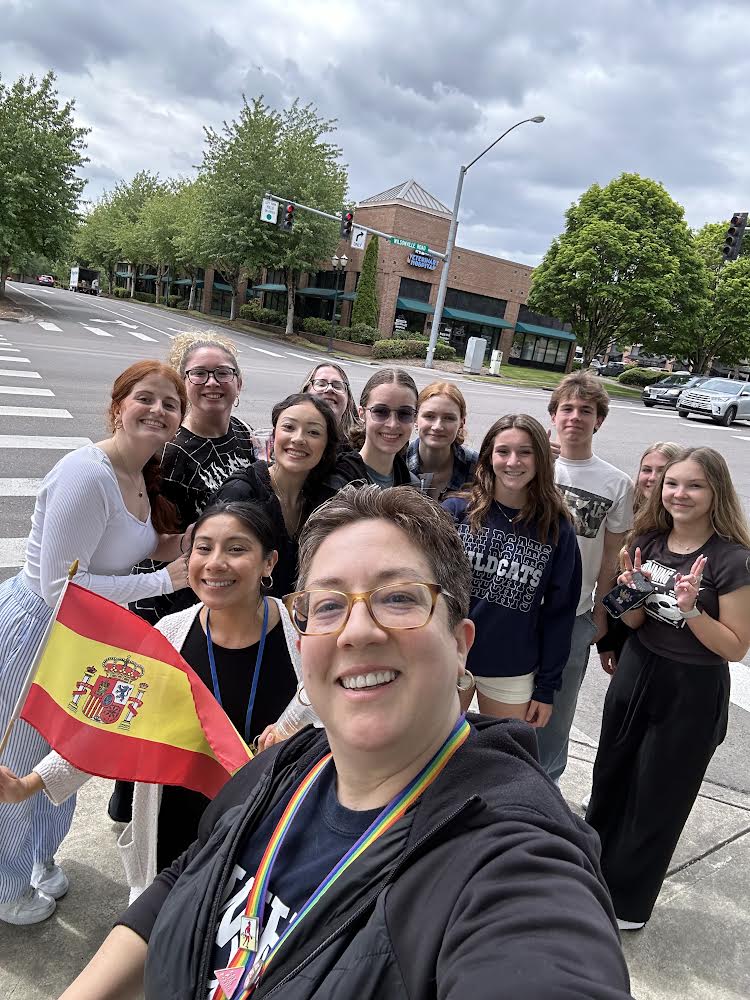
column 236, row 400
column 300, row 691
column 465, row 681
column 269, row 585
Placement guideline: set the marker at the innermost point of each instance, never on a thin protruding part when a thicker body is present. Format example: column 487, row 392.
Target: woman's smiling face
column 389, row 434
column 299, row 438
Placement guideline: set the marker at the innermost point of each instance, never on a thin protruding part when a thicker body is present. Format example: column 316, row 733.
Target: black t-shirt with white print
column 664, row 631
column 320, row 835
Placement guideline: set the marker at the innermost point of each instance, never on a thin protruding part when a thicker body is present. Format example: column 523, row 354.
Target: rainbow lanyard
column 243, row 974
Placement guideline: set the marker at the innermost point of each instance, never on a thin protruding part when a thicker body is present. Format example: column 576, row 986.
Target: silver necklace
column 134, row 482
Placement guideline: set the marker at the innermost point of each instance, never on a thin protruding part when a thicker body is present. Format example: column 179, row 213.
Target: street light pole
column 339, row 265
column 443, row 285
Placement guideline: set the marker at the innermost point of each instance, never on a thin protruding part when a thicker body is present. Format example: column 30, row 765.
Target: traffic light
column 347, row 220
column 287, row 218
column 733, row 241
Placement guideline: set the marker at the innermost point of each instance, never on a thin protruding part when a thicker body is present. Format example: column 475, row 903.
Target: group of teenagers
column 398, row 846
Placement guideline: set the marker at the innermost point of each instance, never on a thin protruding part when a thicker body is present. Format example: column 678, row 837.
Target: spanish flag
column 115, row 699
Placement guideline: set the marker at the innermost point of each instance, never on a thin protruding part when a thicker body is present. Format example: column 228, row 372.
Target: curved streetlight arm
column 537, row 119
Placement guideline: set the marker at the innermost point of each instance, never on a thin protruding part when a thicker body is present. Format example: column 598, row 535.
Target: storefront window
column 542, row 352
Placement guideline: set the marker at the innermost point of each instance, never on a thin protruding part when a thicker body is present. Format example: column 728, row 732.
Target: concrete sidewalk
column 694, row 947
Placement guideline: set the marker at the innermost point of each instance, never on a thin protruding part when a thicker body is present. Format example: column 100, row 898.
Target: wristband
column 694, row 612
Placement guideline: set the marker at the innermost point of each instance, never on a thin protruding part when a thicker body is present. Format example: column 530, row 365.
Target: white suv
column 723, row 399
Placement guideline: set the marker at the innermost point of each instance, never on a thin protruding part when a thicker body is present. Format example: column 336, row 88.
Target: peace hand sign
column 687, row 587
column 631, row 566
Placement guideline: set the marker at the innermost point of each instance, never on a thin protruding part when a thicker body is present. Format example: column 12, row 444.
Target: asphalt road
column 55, row 376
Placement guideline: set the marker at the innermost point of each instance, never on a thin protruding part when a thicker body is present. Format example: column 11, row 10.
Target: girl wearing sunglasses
column 388, row 408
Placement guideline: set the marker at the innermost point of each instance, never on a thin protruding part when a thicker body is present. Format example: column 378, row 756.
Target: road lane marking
column 7, row 372
column 20, row 361
column 12, row 552
column 175, row 330
column 97, row 331
column 741, row 437
column 262, row 350
column 32, row 297
column 43, row 442
column 305, row 357
column 119, row 322
column 144, row 336
column 19, row 487
column 6, row 347
column 35, row 411
column 24, row 390
column 663, row 416
column 46, row 325
column 125, row 315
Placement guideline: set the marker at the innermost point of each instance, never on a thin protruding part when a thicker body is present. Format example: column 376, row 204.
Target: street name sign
column 420, row 247
column 269, row 211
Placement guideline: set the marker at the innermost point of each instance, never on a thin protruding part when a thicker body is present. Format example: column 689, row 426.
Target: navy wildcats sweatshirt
column 524, row 595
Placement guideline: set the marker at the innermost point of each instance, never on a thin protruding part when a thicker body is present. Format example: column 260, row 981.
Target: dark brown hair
column 163, row 512
column 384, row 376
column 544, row 502
column 580, row 385
column 328, row 459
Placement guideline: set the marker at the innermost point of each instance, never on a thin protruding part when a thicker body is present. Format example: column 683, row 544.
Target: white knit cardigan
column 137, row 842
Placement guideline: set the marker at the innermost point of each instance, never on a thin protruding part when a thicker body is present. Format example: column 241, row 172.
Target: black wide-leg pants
column 661, row 724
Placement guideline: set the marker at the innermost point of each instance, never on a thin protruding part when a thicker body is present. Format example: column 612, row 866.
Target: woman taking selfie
column 667, row 705
column 305, row 438
column 387, row 408
column 412, row 848
column 438, row 456
column 242, row 646
column 526, row 572
column 100, row 505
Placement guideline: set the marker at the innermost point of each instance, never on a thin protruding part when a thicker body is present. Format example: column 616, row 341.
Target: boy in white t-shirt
column 600, row 498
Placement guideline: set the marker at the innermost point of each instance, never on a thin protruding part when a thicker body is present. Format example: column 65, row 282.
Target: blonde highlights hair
column 452, row 393
column 669, row 450
column 186, row 344
column 349, row 422
column 727, row 516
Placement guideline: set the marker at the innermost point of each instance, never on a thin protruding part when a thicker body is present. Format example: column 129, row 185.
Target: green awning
column 472, row 317
column 147, row 277
column 269, row 288
column 188, row 281
column 414, row 305
column 318, row 293
column 348, row 297
column 122, row 274
column 545, row 331
column 218, row 287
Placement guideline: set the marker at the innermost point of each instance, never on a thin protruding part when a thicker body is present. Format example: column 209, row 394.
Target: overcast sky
column 660, row 88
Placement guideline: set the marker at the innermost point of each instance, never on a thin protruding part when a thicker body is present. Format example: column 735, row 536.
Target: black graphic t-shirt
column 665, row 631
column 524, row 594
column 321, row 834
column 192, row 469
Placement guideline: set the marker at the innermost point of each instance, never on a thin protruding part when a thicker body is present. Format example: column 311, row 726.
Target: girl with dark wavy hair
column 526, row 572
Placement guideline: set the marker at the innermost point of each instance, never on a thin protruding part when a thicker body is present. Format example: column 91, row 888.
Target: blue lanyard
column 256, row 670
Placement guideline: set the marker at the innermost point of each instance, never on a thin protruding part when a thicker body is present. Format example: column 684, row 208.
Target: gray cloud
column 638, row 86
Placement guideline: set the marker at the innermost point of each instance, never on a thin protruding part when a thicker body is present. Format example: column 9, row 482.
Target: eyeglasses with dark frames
column 223, row 374
column 379, row 412
column 323, row 384
column 395, row 607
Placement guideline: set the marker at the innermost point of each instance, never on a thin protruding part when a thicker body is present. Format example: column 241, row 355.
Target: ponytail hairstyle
column 384, row 376
column 163, row 512
column 544, row 502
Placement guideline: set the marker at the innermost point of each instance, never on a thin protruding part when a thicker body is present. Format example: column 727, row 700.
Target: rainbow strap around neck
column 383, row 822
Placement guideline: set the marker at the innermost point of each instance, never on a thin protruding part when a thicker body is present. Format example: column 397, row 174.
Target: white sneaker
column 630, row 925
column 585, row 801
column 31, row 908
column 49, row 878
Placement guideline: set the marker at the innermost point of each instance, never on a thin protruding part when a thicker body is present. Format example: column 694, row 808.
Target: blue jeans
column 553, row 738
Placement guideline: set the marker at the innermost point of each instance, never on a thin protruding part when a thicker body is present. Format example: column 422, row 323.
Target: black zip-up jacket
column 497, row 894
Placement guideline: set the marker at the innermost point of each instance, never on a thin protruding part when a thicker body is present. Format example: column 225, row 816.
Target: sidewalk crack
column 706, row 854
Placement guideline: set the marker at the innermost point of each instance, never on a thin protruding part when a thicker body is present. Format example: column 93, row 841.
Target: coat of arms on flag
column 110, row 691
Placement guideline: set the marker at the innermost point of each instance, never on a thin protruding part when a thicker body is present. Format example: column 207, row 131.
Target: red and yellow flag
column 115, row 699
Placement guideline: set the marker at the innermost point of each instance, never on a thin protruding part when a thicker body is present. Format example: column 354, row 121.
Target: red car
column 45, row 279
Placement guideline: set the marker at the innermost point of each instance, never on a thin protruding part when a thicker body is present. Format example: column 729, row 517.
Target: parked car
column 667, row 390
column 724, row 400
column 612, row 369
column 45, row 279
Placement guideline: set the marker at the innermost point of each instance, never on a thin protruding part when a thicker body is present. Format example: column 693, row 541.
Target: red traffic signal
column 347, row 220
column 735, row 232
column 288, row 218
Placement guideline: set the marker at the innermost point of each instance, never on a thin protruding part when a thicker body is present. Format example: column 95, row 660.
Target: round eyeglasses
column 223, row 374
column 379, row 413
column 324, row 384
column 397, row 606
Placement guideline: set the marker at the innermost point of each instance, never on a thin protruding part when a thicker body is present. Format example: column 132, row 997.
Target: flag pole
column 73, row 569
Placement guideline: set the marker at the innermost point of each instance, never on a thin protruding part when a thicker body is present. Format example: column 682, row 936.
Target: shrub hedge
column 172, row 301
column 313, row 324
column 409, row 335
column 411, row 349
column 361, row 333
column 257, row 314
column 183, row 303
column 144, row 297
column 640, row 376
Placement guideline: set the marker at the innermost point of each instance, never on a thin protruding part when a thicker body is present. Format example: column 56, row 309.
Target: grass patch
column 536, row 378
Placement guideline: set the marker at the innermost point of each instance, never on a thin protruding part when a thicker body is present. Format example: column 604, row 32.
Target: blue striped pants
column 33, row 830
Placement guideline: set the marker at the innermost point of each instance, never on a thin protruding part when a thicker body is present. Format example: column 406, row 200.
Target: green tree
column 98, row 238
column 366, row 307
column 133, row 234
column 624, row 269
column 188, row 243
column 161, row 226
column 40, row 150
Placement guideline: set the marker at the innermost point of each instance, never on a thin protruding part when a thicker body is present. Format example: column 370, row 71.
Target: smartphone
column 623, row 598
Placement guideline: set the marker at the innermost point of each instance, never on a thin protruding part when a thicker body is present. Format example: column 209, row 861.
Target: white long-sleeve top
column 80, row 514
column 137, row 842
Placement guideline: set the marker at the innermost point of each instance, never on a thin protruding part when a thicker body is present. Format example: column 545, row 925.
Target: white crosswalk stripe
column 9, row 357
column 35, row 411
column 12, row 552
column 46, row 325
column 24, row 390
column 142, row 336
column 19, row 487
column 96, row 330
column 5, row 372
column 43, row 442
column 6, row 347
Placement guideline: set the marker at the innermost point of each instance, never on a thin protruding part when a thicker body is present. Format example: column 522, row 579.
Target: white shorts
column 511, row 690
